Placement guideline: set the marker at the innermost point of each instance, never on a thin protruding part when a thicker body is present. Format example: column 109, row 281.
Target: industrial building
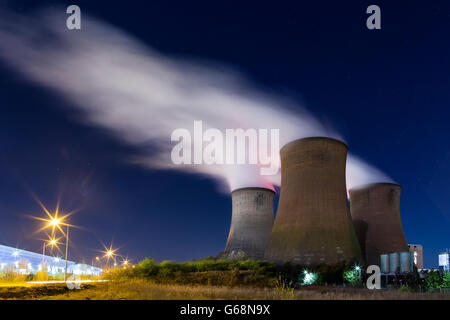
column 313, row 224
column 417, row 252
column 27, row 262
column 444, row 261
column 251, row 221
column 375, row 210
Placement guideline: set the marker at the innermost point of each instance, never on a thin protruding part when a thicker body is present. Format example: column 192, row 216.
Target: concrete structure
column 375, row 211
column 251, row 221
column 313, row 224
column 417, row 253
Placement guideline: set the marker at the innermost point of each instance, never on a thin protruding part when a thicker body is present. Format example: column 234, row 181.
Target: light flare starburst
column 54, row 220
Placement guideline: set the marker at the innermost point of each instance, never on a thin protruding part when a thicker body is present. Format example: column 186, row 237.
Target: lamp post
column 67, row 251
column 43, row 262
column 358, row 268
column 52, row 242
column 55, row 222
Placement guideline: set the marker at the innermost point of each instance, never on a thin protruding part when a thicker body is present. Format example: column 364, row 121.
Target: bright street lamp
column 53, row 242
column 54, row 221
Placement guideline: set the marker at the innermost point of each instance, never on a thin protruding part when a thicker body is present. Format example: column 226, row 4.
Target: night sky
column 386, row 91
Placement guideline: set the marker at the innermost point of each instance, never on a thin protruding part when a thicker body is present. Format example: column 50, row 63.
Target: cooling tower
column 251, row 221
column 313, row 224
column 375, row 211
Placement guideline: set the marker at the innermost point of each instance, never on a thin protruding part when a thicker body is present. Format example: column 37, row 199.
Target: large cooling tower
column 251, row 221
column 375, row 211
column 313, row 224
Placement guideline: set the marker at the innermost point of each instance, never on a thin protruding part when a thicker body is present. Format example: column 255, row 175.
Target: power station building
column 313, row 224
column 375, row 210
column 251, row 221
column 417, row 253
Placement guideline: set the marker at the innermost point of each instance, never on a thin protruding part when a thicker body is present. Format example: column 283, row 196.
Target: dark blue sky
column 386, row 91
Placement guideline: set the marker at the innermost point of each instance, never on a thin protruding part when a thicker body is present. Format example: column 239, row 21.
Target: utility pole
column 67, row 249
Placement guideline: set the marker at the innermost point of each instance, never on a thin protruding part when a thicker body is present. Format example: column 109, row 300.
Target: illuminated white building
column 27, row 262
column 444, row 261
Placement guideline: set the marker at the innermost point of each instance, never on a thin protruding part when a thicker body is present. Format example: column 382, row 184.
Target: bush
column 213, row 265
column 206, row 272
column 248, row 265
column 433, row 281
column 168, row 267
column 352, row 276
column 147, row 268
column 307, row 278
column 446, row 280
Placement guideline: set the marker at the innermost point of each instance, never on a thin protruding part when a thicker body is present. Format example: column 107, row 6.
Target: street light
column 358, row 268
column 53, row 242
column 55, row 222
column 110, row 253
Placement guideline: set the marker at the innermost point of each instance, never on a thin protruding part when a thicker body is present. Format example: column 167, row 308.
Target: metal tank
column 405, row 262
column 384, row 265
column 313, row 224
column 394, row 262
column 251, row 221
column 375, row 211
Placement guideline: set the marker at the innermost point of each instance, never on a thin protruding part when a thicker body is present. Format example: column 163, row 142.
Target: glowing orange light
column 54, row 220
column 109, row 252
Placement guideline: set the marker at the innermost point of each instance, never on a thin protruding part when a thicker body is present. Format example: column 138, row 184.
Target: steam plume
column 141, row 96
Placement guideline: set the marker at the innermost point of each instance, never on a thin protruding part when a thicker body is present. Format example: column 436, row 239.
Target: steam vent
column 375, row 211
column 251, row 221
column 313, row 224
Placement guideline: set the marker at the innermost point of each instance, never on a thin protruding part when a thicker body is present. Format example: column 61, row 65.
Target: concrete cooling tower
column 251, row 221
column 313, row 224
column 375, row 211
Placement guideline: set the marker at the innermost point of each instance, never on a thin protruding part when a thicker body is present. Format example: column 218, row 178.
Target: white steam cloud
column 141, row 96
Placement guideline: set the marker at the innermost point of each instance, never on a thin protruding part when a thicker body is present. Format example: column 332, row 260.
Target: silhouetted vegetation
column 202, row 272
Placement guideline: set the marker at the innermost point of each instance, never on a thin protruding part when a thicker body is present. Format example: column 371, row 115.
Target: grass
column 141, row 289
column 219, row 279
